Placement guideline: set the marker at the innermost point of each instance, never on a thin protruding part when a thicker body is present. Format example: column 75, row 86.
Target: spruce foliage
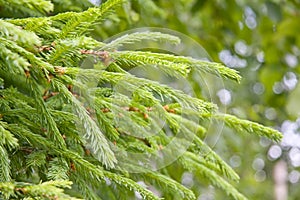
column 59, row 132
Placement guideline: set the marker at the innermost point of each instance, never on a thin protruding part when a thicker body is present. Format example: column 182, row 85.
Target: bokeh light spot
column 274, row 152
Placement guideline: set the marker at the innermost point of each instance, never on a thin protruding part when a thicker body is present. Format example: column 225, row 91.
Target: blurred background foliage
column 261, row 40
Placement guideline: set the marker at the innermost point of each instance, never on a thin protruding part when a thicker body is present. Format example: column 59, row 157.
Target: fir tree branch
column 92, row 170
column 163, row 90
column 21, row 37
column 7, row 139
column 13, row 62
column 132, row 82
column 84, row 186
column 241, row 125
column 34, row 60
column 206, row 153
column 80, row 23
column 138, row 37
column 41, row 26
column 210, row 156
column 130, row 184
column 198, row 65
column 58, row 169
column 45, row 190
column 164, row 182
column 136, row 58
column 36, row 159
column 5, row 171
column 95, row 138
column 207, row 173
column 28, row 7
column 7, row 190
column 67, row 51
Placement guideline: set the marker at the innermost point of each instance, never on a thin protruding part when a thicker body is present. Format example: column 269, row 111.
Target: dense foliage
column 70, row 124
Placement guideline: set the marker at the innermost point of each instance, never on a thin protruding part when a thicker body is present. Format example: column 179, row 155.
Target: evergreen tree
column 61, row 130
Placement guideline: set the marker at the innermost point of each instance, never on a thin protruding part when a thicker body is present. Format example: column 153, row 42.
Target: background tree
column 44, row 94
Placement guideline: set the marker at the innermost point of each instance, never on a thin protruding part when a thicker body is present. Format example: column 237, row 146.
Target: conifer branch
column 27, row 7
column 137, row 59
column 45, row 190
column 204, row 151
column 92, row 134
column 5, row 171
column 165, row 181
column 197, row 65
column 67, row 52
column 132, row 83
column 79, row 23
column 212, row 176
column 138, row 37
column 58, row 169
column 21, row 37
column 241, row 125
column 95, row 172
